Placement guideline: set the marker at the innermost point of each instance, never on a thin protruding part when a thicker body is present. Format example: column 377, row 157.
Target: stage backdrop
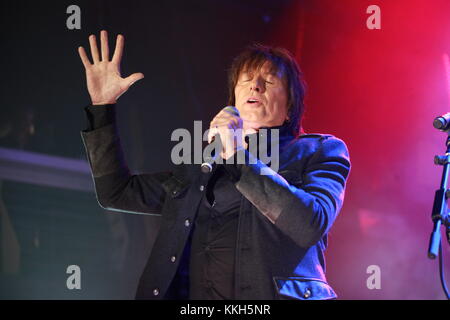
column 377, row 89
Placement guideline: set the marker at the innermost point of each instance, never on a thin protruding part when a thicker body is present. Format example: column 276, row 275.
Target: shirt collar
column 284, row 130
column 285, row 136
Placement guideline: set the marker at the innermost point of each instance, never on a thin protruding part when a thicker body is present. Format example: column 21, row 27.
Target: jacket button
column 202, row 188
column 307, row 294
column 187, row 223
column 155, row 291
column 173, row 258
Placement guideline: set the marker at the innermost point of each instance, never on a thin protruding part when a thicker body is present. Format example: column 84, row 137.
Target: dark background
column 378, row 90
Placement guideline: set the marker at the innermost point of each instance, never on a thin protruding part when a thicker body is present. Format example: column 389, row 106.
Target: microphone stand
column 440, row 213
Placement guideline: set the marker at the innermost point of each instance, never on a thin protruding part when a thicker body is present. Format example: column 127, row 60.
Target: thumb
column 133, row 78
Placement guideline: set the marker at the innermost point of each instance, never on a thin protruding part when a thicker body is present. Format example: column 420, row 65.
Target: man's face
column 261, row 98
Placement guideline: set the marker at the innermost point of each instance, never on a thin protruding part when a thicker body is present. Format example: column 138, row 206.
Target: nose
column 257, row 85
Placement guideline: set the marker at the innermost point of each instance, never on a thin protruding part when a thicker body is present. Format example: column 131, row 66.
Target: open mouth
column 253, row 101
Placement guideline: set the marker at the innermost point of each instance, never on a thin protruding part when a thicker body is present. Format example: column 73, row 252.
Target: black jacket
column 283, row 222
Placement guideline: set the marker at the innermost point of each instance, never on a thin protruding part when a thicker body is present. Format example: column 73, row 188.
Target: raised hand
column 104, row 81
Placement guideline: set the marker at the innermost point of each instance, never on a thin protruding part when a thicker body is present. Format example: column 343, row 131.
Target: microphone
column 207, row 166
column 442, row 123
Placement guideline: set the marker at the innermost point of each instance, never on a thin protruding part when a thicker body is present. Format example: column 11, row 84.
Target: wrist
column 103, row 103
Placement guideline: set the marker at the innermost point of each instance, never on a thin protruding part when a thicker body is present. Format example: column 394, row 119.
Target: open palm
column 104, row 81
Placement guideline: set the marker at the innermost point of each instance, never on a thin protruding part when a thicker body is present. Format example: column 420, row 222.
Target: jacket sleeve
column 116, row 188
column 304, row 212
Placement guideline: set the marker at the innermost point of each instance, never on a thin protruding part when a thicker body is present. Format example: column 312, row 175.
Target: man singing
column 233, row 233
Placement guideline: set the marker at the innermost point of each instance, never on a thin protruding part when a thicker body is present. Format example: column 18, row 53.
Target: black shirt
column 214, row 239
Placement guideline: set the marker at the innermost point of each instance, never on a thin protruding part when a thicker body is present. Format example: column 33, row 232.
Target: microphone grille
column 233, row 110
column 438, row 123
